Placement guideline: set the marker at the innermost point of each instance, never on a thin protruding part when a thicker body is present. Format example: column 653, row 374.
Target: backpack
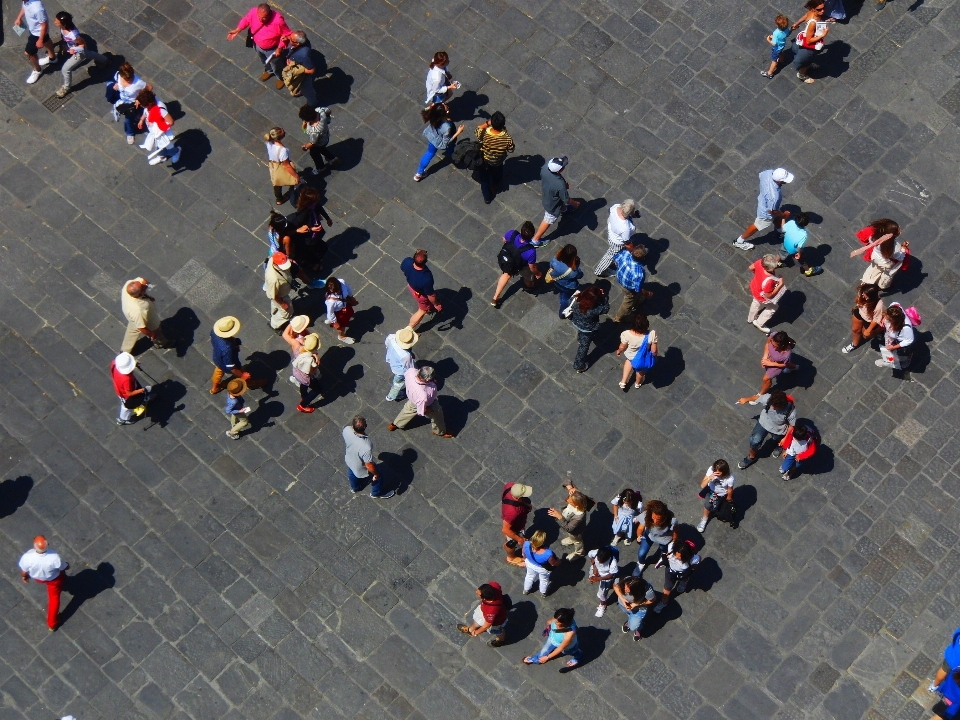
column 644, row 359
column 466, row 155
column 510, row 258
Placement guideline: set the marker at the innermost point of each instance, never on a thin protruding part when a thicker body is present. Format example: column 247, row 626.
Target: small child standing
column 794, row 238
column 316, row 125
column 626, row 508
column 236, row 408
column 778, row 41
column 604, row 566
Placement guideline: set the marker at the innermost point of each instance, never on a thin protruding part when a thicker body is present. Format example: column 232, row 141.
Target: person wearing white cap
column 768, row 206
column 556, row 197
column 133, row 396
column 400, row 359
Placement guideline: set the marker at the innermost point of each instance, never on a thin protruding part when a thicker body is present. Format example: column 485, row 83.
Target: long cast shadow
column 86, row 585
column 398, row 469
column 14, row 493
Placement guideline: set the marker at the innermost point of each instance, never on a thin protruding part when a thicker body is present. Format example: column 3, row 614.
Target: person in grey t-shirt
column 779, row 414
column 359, row 459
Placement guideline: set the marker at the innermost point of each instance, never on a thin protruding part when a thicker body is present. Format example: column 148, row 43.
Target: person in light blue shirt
column 768, row 206
column 777, row 40
column 400, row 359
column 794, row 240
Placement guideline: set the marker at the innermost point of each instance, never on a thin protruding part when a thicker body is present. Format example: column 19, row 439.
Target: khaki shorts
column 762, row 223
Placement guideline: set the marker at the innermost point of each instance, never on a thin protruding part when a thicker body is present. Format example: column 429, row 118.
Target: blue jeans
column 564, row 295
column 276, row 64
column 357, row 483
column 789, row 463
column 634, row 617
column 113, row 97
column 645, row 545
column 803, row 57
column 397, row 388
column 548, row 647
column 758, row 435
column 430, row 152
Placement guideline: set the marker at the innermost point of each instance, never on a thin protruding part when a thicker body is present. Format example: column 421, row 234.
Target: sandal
column 636, row 386
column 804, row 78
column 496, row 303
column 623, row 386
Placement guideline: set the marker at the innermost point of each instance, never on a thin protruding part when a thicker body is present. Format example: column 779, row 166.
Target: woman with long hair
column 561, row 635
column 439, row 134
column 716, row 486
column 340, row 303
column 572, row 518
column 282, row 172
column 898, row 337
column 565, row 273
column 77, row 49
column 810, row 39
column 866, row 318
column 775, row 361
column 121, row 93
column 589, row 306
column 440, row 83
column 658, row 527
column 307, row 246
column 886, row 259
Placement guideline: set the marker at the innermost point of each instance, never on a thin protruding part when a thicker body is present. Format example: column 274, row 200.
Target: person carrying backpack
column 518, row 256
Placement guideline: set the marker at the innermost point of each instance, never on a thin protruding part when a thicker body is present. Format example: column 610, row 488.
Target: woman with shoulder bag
column 282, row 172
column 565, row 273
column 340, row 303
column 439, row 133
column 122, row 92
column 440, row 83
column 810, row 39
column 306, row 245
column 632, row 341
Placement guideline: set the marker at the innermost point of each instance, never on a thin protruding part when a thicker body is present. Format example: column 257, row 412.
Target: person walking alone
column 555, row 197
column 133, row 396
column 620, row 228
column 420, row 283
column 140, row 310
column 561, row 635
column 768, row 206
column 45, row 566
column 495, row 145
column 359, row 459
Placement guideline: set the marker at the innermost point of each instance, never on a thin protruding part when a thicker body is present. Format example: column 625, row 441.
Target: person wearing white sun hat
column 400, row 359
column 768, row 206
column 133, row 396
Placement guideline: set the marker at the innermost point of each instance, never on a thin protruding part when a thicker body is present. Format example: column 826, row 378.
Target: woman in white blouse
column 440, row 84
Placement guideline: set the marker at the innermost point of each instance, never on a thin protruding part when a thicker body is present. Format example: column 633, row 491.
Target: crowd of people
column 294, row 266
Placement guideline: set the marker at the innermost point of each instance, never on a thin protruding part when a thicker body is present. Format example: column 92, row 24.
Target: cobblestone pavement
column 243, row 580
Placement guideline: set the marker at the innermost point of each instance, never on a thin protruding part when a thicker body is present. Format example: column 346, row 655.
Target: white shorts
column 480, row 620
column 550, row 219
column 762, row 223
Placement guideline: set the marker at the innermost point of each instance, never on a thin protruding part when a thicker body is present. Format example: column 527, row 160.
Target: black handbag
column 249, row 41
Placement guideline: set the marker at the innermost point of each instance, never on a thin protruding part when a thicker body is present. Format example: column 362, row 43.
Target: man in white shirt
column 400, row 359
column 620, row 228
column 37, row 23
column 45, row 566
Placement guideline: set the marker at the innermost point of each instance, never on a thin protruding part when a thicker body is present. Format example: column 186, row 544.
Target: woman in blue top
column 561, row 635
column 538, row 560
column 565, row 272
column 439, row 133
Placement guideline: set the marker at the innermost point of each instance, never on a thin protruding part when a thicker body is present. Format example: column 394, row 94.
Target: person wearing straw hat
column 306, row 370
column 45, row 566
column 133, row 396
column 236, row 408
column 226, row 355
column 295, row 332
column 400, row 359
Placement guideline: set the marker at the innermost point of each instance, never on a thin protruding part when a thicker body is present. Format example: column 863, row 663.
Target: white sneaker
column 44, row 61
column 882, row 363
column 346, row 340
column 294, row 381
column 33, row 77
column 130, row 139
column 762, row 328
column 742, row 244
column 601, row 609
column 156, row 160
column 702, row 526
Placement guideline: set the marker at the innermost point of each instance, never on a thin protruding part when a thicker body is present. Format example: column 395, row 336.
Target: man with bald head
column 46, row 567
column 142, row 319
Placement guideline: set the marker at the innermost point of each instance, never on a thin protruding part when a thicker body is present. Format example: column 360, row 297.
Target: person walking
column 140, row 310
column 949, row 664
column 715, row 488
column 554, row 196
column 440, row 83
column 658, row 526
column 420, row 283
column 515, row 506
column 565, row 274
column 572, row 518
column 296, row 332
column 133, row 396
column 339, row 302
column 635, row 596
column 315, row 123
column 779, row 414
column 767, row 289
column 282, row 172
column 799, row 444
column 236, row 408
column 77, row 51
column 775, row 361
column 422, row 401
column 35, row 15
column 587, row 308
column 121, row 93
column 794, row 241
column 400, row 359
column 226, row 355
column 495, row 145
column 810, row 39
column 305, row 245
column 277, row 284
column 866, row 318
column 158, row 121
column 267, row 33
column 440, row 135
column 768, row 205
column 604, row 567
column 518, row 256
column 561, row 635
column 898, row 337
column 306, row 370
column 539, row 560
column 620, row 228
column 681, row 559
column 299, row 68
column 627, row 506
column 948, row 706
column 45, row 566
column 639, row 339
column 358, row 456
column 490, row 616
column 778, row 41
column 630, row 275
column 886, row 259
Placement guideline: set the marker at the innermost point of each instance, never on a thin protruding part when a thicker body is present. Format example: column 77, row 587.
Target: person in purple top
column 518, row 256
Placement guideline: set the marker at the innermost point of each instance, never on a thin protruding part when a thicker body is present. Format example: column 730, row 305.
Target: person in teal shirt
column 778, row 41
column 561, row 635
column 794, row 239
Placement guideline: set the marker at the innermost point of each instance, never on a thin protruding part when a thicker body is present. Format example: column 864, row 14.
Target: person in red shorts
column 46, row 567
column 420, row 283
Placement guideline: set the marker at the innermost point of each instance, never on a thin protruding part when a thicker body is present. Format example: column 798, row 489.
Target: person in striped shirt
column 495, row 145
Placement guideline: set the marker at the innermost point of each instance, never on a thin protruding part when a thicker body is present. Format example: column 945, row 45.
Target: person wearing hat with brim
column 46, row 567
column 295, row 331
column 515, row 506
column 556, row 197
column 133, row 396
column 400, row 359
column 306, row 370
column 236, row 408
column 226, row 355
column 768, row 206
column 277, row 284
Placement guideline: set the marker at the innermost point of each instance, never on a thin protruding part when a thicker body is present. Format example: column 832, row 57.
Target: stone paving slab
column 243, row 580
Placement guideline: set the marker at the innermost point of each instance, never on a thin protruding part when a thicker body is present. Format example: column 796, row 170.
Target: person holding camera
column 133, row 396
column 515, row 506
column 122, row 93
